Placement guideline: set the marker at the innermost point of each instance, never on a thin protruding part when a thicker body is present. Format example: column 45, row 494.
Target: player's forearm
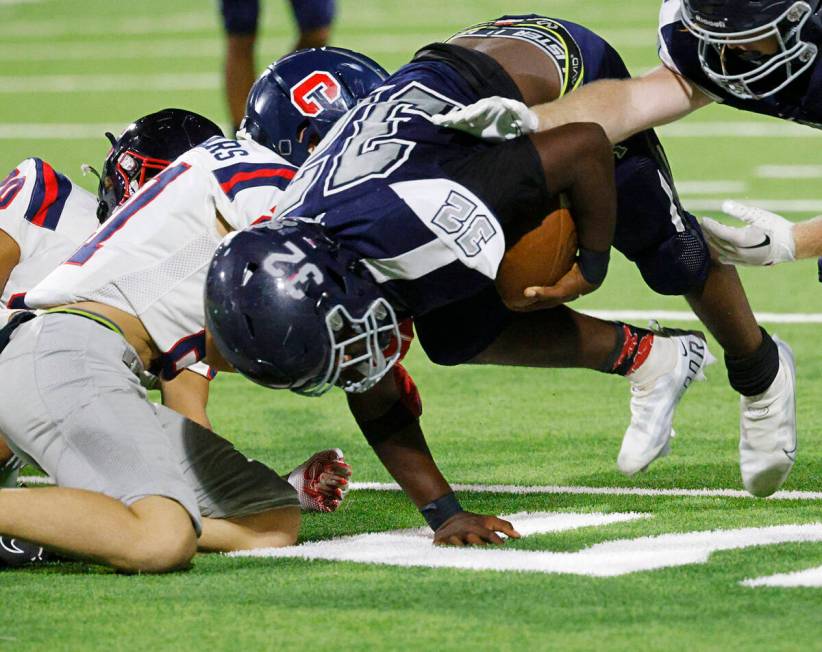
column 598, row 102
column 808, row 238
column 406, row 457
column 577, row 161
column 624, row 107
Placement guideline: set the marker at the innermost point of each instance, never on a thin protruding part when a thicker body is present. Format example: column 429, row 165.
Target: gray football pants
column 70, row 405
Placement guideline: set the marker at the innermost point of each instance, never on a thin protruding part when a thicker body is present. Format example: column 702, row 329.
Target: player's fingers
column 722, row 234
column 503, row 526
column 473, row 539
column 492, row 537
column 739, row 211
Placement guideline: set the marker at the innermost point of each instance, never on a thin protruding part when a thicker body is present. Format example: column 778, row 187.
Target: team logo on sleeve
column 315, row 93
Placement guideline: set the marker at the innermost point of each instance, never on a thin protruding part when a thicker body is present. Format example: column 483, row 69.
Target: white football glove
column 492, row 118
column 766, row 240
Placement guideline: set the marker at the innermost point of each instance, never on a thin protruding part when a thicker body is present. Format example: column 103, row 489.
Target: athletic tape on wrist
column 594, row 265
column 440, row 510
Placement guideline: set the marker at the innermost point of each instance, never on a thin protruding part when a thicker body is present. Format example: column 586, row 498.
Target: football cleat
column 16, row 552
column 321, row 481
column 767, row 430
column 654, row 402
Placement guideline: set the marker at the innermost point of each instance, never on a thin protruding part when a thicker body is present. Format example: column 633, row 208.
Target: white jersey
column 151, row 258
column 48, row 217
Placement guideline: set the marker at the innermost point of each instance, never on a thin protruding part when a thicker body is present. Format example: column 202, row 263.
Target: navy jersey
column 382, row 184
column 800, row 101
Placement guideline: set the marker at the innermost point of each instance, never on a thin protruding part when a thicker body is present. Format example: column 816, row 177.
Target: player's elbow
column 593, row 149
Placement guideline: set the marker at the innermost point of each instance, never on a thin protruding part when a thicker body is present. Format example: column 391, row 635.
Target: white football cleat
column 653, row 403
column 321, row 481
column 767, row 430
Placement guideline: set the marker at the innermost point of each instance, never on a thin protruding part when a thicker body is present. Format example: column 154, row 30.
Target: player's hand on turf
column 571, row 286
column 469, row 529
column 491, row 118
column 766, row 239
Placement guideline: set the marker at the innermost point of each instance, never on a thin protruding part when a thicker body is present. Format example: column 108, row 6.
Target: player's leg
column 514, row 178
column 245, row 504
column 240, row 18
column 667, row 244
column 314, row 20
column 71, row 405
column 153, row 534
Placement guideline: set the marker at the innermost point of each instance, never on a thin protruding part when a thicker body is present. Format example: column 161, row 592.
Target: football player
column 751, row 55
column 240, row 20
column 395, row 217
column 163, row 473
column 144, row 148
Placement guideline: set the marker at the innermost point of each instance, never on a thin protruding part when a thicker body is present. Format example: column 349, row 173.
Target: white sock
column 660, row 360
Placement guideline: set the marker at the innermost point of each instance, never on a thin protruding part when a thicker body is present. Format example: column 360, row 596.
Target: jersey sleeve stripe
column 234, row 178
column 48, row 197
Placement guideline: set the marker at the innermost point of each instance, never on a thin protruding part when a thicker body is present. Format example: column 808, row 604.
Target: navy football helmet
column 731, row 33
column 298, row 98
column 289, row 308
column 146, row 147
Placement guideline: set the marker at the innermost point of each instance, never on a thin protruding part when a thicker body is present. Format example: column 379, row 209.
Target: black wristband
column 440, row 510
column 593, row 265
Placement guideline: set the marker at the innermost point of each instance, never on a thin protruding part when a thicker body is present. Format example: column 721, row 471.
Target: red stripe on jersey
column 50, row 195
column 285, row 173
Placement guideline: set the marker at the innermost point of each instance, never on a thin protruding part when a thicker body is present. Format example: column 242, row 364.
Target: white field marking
column 738, row 130
column 609, row 491
column 789, row 171
column 609, row 559
column 688, row 316
column 810, row 577
column 91, row 83
column 56, row 131
column 557, row 489
column 710, row 187
column 776, row 205
column 201, row 21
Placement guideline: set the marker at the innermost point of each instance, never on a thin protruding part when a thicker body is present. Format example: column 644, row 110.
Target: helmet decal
column 315, row 93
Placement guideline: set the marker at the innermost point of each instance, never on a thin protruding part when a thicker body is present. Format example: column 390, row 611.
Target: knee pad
column 678, row 265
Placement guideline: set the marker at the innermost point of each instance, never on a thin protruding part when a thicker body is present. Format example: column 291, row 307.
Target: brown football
column 537, row 254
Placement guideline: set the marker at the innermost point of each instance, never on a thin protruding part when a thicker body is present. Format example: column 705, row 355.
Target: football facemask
column 358, row 361
column 731, row 61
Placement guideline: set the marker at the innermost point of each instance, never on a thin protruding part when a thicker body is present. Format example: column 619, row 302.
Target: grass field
column 74, row 69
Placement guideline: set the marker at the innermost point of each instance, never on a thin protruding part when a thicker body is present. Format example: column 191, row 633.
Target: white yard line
column 776, row 205
column 772, row 129
column 56, row 131
column 716, row 187
column 810, row 577
column 688, row 316
column 413, row 547
column 789, row 171
column 607, row 491
column 96, row 83
column 558, row 489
